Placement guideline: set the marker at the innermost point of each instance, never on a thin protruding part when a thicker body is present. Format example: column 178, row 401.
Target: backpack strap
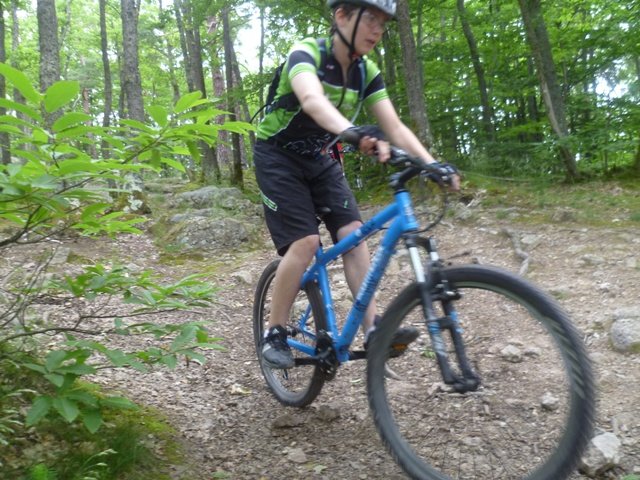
column 289, row 101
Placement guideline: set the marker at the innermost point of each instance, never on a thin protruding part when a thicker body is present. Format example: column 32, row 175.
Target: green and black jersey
column 295, row 130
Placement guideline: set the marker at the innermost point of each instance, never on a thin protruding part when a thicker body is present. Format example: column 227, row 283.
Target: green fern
column 42, row 472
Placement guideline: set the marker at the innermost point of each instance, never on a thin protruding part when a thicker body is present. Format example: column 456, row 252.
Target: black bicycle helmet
column 387, row 6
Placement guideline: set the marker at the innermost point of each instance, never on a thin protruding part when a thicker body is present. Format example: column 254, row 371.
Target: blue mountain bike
column 497, row 386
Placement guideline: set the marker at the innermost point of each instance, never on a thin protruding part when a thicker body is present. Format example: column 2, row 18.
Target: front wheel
column 532, row 415
column 300, row 385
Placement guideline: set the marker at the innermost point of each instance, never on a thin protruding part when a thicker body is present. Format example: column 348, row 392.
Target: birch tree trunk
column 538, row 40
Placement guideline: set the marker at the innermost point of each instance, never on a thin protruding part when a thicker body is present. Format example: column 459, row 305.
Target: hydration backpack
column 289, row 101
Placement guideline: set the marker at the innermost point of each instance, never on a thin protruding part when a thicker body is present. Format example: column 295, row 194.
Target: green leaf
column 70, row 119
column 138, row 125
column 194, row 150
column 38, row 410
column 35, row 367
column 170, row 361
column 55, row 378
column 78, row 369
column 174, row 164
column 67, row 408
column 76, row 165
column 59, row 94
column 92, row 419
column 54, row 359
column 20, row 81
column 159, row 115
column 187, row 101
column 25, row 109
column 237, row 127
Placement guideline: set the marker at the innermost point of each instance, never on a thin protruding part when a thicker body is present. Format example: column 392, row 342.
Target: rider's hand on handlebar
column 447, row 174
column 369, row 139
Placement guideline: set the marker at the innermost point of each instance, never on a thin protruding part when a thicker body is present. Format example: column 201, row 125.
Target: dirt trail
column 225, row 414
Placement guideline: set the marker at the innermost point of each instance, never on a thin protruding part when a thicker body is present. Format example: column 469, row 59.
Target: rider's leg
column 356, row 263
column 288, row 276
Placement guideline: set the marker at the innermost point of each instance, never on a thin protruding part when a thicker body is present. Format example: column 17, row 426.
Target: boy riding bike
column 323, row 83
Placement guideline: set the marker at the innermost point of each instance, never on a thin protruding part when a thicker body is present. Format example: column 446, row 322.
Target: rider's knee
column 348, row 228
column 305, row 247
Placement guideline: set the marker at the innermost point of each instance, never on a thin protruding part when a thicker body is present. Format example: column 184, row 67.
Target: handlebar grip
column 350, row 136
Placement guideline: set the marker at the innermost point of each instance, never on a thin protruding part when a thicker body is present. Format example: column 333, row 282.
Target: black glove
column 442, row 172
column 353, row 135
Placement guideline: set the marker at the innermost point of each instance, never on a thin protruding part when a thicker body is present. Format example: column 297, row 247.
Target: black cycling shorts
column 294, row 187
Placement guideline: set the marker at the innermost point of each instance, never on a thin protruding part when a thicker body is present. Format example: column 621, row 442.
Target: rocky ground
column 230, row 425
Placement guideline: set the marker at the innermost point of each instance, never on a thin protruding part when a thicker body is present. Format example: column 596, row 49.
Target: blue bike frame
column 402, row 218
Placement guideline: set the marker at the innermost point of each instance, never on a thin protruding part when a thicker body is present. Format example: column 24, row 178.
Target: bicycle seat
column 322, row 212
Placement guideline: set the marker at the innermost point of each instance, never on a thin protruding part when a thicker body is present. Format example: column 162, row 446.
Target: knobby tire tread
column 562, row 462
column 316, row 382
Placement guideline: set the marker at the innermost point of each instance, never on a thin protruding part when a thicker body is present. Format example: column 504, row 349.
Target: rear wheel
column 300, row 385
column 531, row 417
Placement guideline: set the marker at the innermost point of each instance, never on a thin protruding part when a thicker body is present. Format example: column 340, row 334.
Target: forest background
column 522, row 88
column 96, row 99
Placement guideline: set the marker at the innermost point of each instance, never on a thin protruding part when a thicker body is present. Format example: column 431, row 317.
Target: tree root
column 517, row 247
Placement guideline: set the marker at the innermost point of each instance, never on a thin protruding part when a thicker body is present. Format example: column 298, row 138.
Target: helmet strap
column 352, row 45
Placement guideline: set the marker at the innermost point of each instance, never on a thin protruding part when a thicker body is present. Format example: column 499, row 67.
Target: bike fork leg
column 468, row 380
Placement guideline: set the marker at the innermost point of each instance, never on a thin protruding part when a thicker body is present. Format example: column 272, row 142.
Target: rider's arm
column 310, row 93
column 308, row 89
column 401, row 136
column 397, row 132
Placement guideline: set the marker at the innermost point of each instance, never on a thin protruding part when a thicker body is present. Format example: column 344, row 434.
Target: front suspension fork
column 467, row 379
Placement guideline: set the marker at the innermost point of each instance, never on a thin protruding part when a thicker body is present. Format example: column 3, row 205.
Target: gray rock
column 549, row 402
column 287, row 421
column 625, row 335
column 627, row 312
column 602, row 454
column 206, row 197
column 245, row 276
column 201, row 233
column 511, row 353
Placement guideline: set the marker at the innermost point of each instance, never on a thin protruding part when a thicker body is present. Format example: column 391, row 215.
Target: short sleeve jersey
column 297, row 131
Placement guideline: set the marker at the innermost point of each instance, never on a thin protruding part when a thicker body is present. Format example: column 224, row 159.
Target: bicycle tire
column 506, row 429
column 300, row 385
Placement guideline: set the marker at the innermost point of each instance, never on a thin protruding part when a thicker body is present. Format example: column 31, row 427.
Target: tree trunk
column 389, row 66
column 64, row 30
column 108, row 82
column 49, row 50
column 538, row 39
column 223, row 153
column 170, row 60
column 236, row 172
column 193, row 65
column 177, row 8
column 5, row 143
column 636, row 162
column 241, row 98
column 413, row 76
column 132, row 86
column 487, row 110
